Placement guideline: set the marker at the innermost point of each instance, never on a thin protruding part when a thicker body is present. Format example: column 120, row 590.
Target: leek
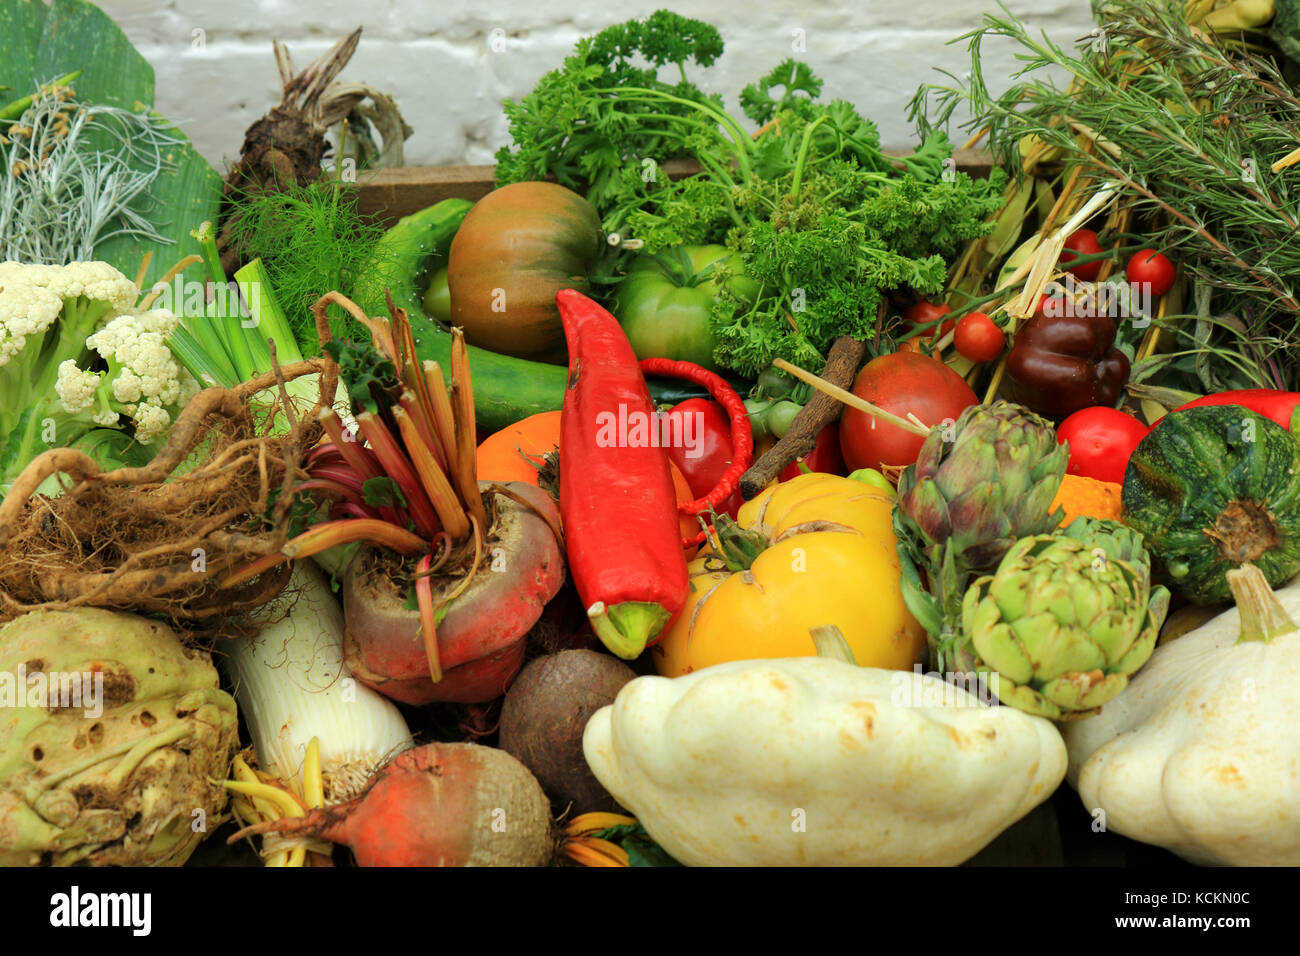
column 292, row 684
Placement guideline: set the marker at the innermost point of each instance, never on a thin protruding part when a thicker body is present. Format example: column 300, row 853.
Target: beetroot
column 481, row 641
column 437, row 805
column 545, row 714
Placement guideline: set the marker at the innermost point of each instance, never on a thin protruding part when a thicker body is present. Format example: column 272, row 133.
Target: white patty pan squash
column 1201, row 753
column 816, row 762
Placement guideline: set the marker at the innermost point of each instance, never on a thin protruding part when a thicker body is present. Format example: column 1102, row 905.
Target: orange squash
column 1088, row 497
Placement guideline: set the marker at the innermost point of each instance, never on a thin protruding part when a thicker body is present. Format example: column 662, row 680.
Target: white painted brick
column 436, row 59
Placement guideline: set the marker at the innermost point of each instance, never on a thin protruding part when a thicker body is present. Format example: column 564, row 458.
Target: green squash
column 1212, row 488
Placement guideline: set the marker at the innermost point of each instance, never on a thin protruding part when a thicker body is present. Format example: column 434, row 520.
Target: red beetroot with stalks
column 436, row 805
column 481, row 640
column 482, row 560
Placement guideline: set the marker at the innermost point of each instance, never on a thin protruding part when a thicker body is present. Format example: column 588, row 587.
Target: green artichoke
column 976, row 488
column 1064, row 620
column 123, row 771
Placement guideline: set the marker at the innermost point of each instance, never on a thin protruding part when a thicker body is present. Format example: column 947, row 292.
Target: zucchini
column 506, row 390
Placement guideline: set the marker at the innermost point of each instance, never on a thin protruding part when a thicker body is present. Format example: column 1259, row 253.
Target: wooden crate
column 391, row 194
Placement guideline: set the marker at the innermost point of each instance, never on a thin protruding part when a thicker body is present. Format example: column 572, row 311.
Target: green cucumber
column 506, row 389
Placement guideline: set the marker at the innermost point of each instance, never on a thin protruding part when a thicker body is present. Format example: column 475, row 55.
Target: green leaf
column 641, row 850
column 183, row 197
column 20, row 29
column 79, row 36
column 382, row 492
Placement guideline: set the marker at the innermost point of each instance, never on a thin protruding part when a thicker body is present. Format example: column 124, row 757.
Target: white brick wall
column 215, row 70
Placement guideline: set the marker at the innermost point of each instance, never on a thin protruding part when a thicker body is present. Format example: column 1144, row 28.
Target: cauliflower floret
column 75, row 387
column 150, row 421
column 97, row 281
column 145, row 367
column 25, row 309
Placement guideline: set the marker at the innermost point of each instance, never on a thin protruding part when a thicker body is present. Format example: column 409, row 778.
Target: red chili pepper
column 616, row 490
column 742, row 435
column 1282, row 407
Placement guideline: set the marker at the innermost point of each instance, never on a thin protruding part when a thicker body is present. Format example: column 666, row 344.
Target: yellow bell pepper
column 829, row 559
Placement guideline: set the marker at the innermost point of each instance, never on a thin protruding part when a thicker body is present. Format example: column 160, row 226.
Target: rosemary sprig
column 1190, row 125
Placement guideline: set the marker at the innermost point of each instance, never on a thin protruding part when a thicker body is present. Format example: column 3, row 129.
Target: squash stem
column 1262, row 615
column 830, row 643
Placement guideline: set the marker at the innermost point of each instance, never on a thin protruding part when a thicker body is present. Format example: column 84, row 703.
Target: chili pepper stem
column 626, row 628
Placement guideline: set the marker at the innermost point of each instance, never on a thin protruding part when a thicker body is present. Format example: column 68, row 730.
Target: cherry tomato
column 978, row 338
column 922, row 313
column 1148, row 267
column 1084, row 243
column 1101, row 441
column 825, row 456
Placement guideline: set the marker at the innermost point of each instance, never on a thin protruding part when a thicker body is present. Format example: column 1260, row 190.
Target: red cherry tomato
column 825, row 456
column 1148, row 267
column 1101, row 441
column 922, row 313
column 1084, row 243
column 978, row 338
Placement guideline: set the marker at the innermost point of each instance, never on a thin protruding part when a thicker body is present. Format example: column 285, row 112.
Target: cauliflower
column 55, row 323
column 143, row 381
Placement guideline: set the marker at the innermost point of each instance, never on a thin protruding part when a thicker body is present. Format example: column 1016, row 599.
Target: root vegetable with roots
column 160, row 538
column 483, row 559
column 437, row 805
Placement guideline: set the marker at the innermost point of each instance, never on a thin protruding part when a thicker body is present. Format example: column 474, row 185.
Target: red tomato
column 825, row 456
column 1084, row 242
column 1150, row 267
column 708, row 429
column 978, row 338
column 1101, row 441
column 925, row 312
column 900, row 383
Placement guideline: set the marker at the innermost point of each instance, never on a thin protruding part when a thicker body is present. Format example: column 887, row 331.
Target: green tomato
column 869, row 476
column 666, row 301
column 437, row 300
column 758, row 409
column 781, row 416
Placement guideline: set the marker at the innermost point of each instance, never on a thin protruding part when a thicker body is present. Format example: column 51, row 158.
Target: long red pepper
column 616, row 490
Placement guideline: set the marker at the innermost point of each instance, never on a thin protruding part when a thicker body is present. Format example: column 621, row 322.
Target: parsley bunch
column 577, row 125
column 820, row 216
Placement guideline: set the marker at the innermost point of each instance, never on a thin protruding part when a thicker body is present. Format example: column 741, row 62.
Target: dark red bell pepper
column 1061, row 363
column 616, row 490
